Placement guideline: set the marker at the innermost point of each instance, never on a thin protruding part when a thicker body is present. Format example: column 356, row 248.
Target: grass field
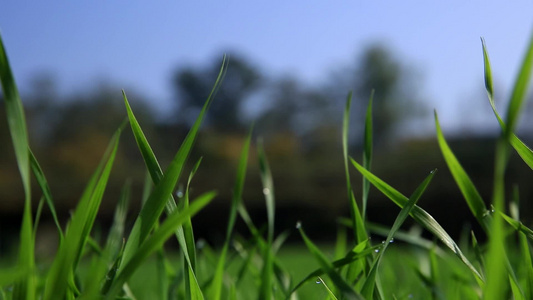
column 393, row 264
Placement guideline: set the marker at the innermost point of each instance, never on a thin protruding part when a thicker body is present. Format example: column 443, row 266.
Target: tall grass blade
column 495, row 266
column 184, row 232
column 161, row 195
column 69, row 252
column 265, row 292
column 368, row 287
column 528, row 264
column 419, row 215
column 519, row 93
column 367, row 152
column 156, row 240
column 216, row 286
column 463, row 181
column 358, row 223
column 25, row 289
column 45, row 188
column 520, row 147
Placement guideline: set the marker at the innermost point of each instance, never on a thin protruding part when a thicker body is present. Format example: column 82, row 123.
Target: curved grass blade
column 356, row 218
column 216, row 286
column 367, row 152
column 519, row 226
column 359, row 252
column 25, row 289
column 421, row 217
column 45, row 188
column 347, row 291
column 184, row 233
column 156, row 241
column 76, row 235
column 16, row 120
column 320, row 280
column 519, row 93
column 161, row 197
column 265, row 292
column 463, row 181
column 496, row 269
column 520, row 147
column 368, row 287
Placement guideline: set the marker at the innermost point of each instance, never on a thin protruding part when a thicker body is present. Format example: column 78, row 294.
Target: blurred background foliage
column 300, row 126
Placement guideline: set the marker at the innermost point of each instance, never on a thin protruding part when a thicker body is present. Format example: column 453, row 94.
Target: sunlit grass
column 368, row 261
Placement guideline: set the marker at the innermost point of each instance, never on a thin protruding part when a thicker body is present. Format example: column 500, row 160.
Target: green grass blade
column 477, row 252
column 519, row 93
column 347, row 291
column 184, row 233
column 38, row 213
column 495, row 287
column 45, row 188
column 12, row 275
column 517, row 293
column 519, row 226
column 81, row 223
column 368, row 287
column 520, row 147
column 528, row 264
column 406, row 236
column 16, row 119
column 216, row 286
column 357, row 219
column 330, row 293
column 463, row 181
column 420, row 216
column 156, row 241
column 188, row 233
column 185, row 236
column 367, row 152
column 159, row 198
column 114, row 240
column 359, row 252
column 487, row 72
column 265, row 292
column 161, row 273
column 268, row 191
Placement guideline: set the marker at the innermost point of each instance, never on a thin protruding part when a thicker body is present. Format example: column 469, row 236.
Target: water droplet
column 179, row 194
column 200, row 244
column 266, row 191
column 298, row 225
column 377, row 250
column 492, row 210
column 383, row 242
column 391, row 240
column 318, row 281
column 432, row 171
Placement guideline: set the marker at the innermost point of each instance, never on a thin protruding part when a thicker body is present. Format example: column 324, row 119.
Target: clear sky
column 139, row 43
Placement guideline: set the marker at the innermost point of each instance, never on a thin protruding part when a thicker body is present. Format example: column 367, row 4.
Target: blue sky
column 138, row 44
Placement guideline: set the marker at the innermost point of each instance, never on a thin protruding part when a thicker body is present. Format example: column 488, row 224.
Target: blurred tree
column 396, row 96
column 192, row 87
column 293, row 108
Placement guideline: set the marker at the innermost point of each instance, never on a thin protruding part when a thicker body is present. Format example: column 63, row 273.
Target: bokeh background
column 292, row 63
